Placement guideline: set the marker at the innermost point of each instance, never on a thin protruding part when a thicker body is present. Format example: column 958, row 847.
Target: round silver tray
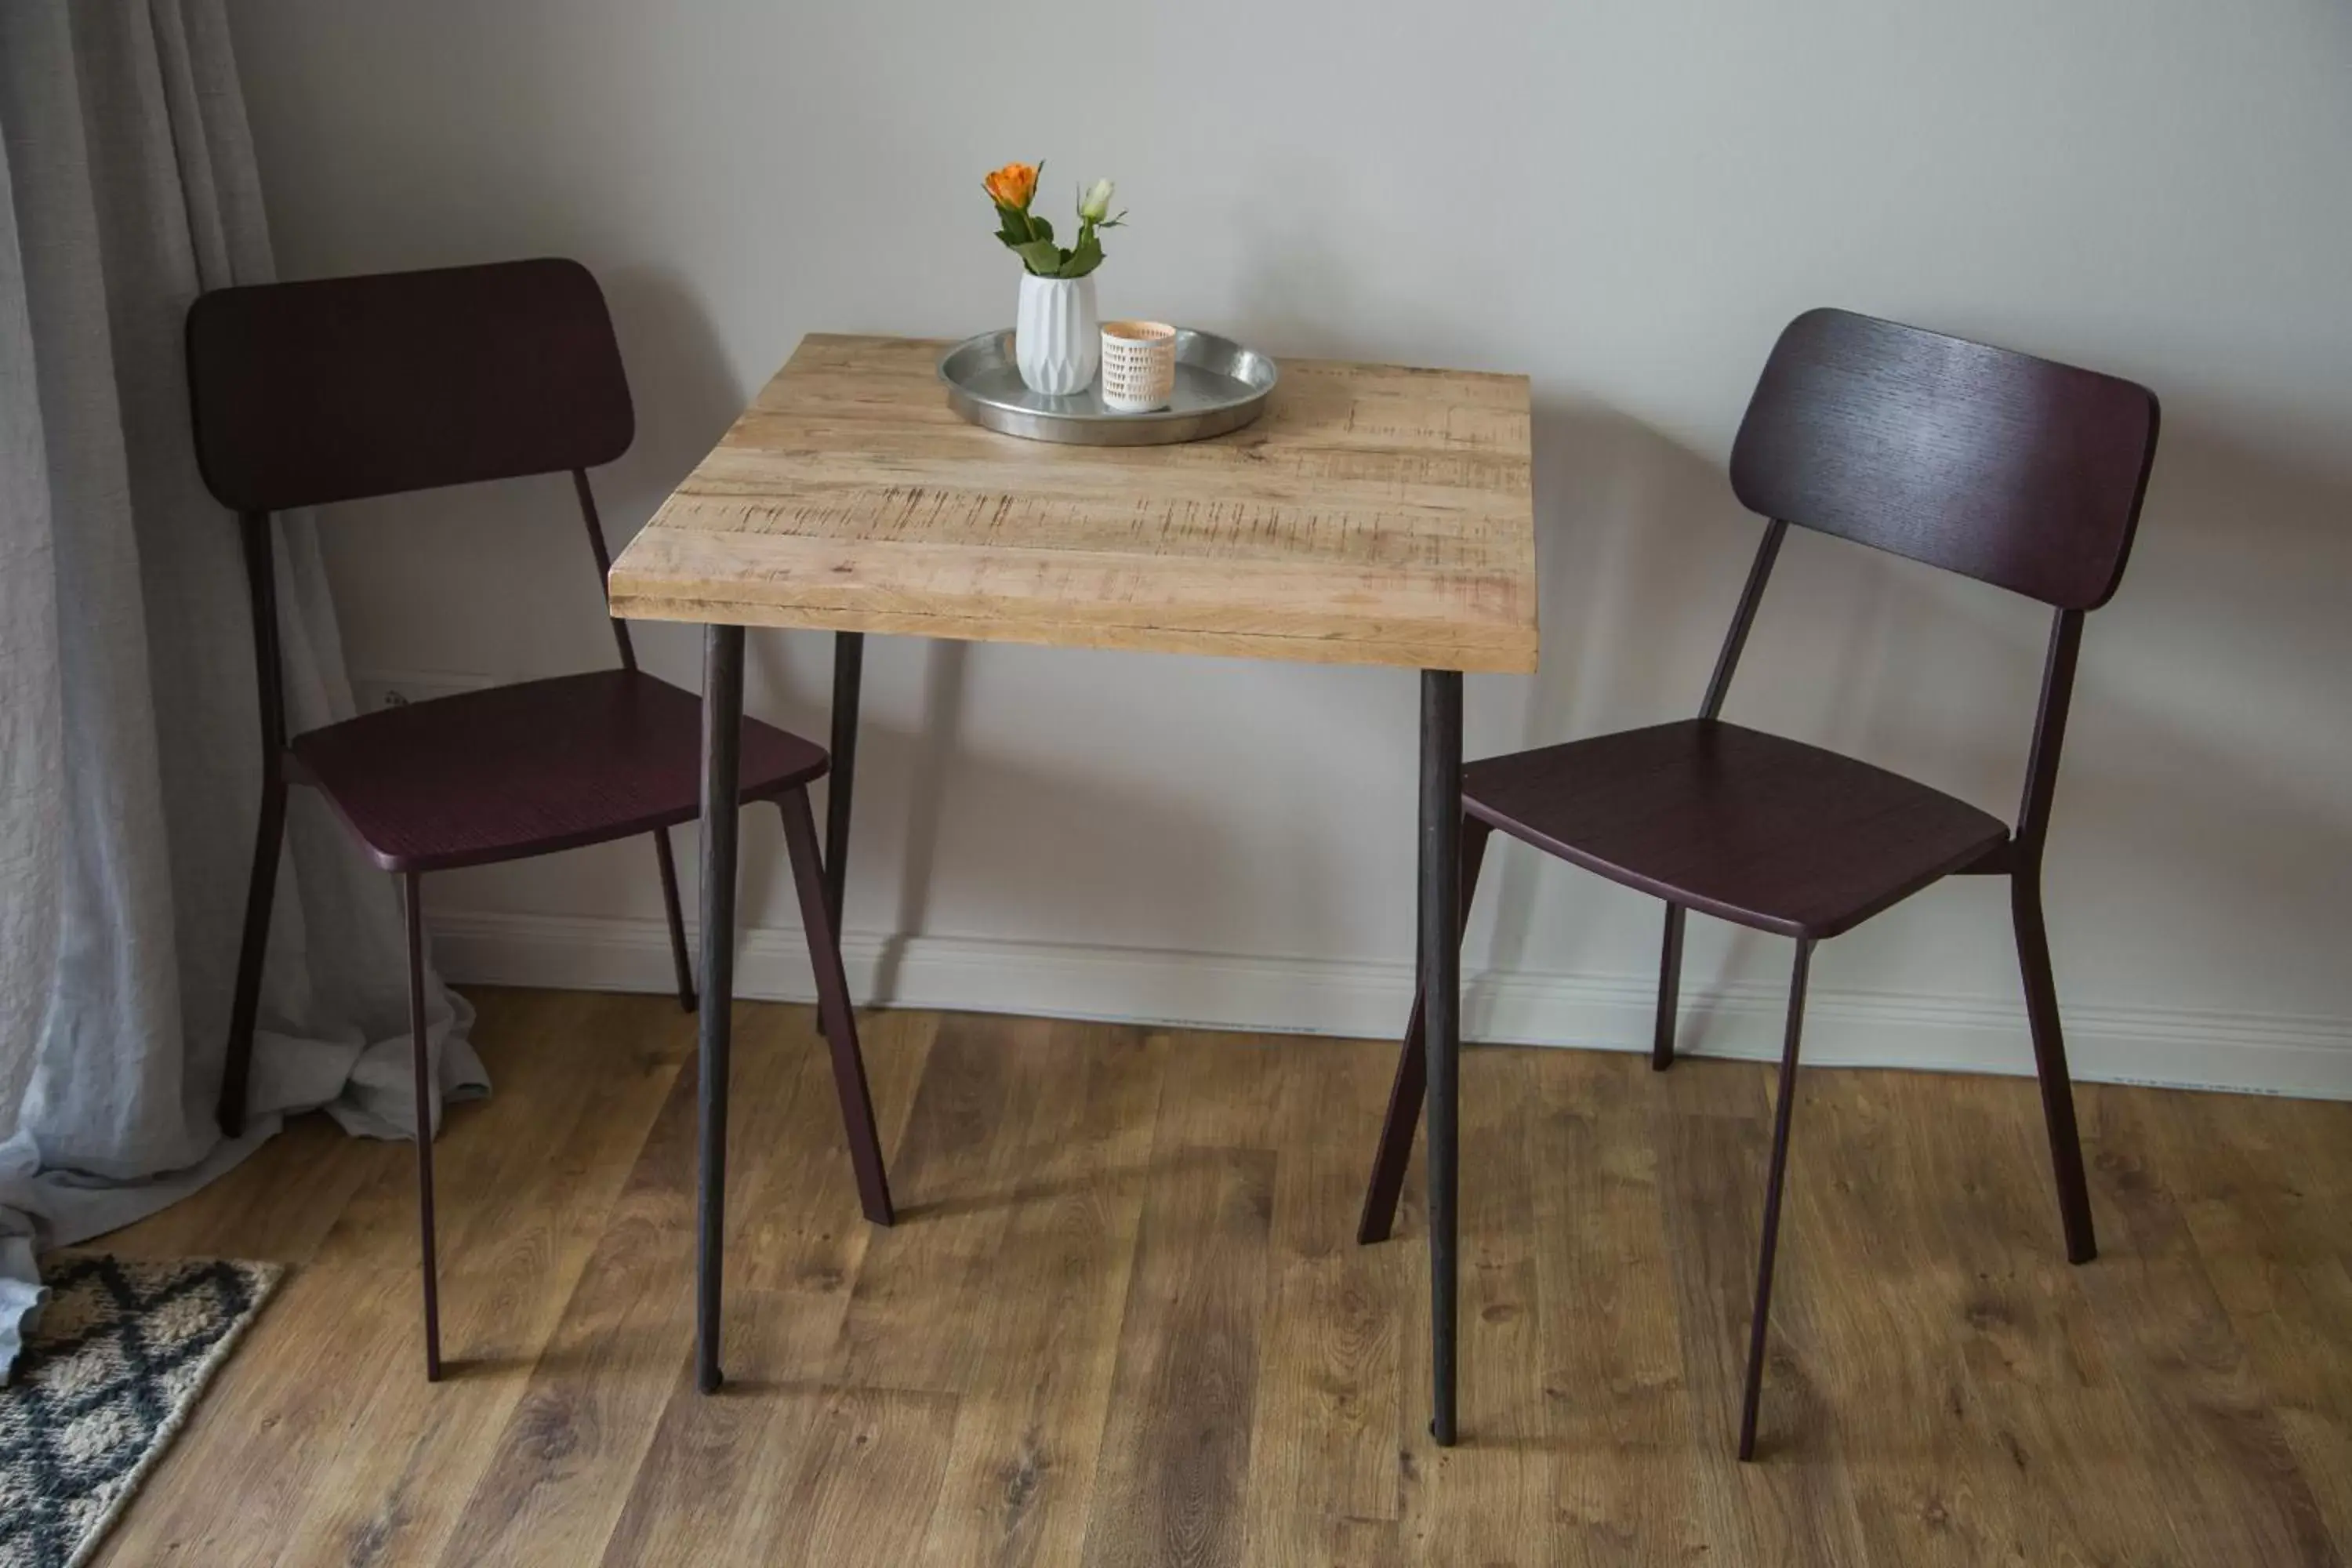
column 1220, row 386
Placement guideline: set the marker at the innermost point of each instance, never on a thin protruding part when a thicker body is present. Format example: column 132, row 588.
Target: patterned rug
column 123, row 1351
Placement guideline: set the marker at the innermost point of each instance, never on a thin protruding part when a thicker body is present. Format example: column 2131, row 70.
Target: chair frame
column 817, row 883
column 2019, row 858
column 279, row 768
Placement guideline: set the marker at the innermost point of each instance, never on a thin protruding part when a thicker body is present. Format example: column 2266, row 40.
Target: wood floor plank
column 1617, row 1408
column 1123, row 1319
column 1021, row 1464
column 2262, row 1193
column 795, row 1239
column 276, row 1402
column 2045, row 1447
column 2229, row 1477
column 1877, row 1186
column 568, row 1128
column 864, row 1482
column 554, row 1483
column 1710, row 1123
column 362, row 1354
column 281, row 1204
column 1325, row 1485
column 1481, row 1501
column 1173, row 1476
column 965, row 1163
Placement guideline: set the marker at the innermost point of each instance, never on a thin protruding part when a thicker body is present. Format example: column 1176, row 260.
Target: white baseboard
column 2269, row 1054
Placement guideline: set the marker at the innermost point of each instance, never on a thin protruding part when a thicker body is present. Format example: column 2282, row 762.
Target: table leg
column 722, row 740
column 1440, row 990
column 848, row 667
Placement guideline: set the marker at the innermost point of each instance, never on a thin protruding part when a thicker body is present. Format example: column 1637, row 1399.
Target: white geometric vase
column 1056, row 341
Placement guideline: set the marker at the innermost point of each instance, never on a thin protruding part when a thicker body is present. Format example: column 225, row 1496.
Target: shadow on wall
column 1641, row 551
column 975, row 840
column 686, row 392
column 2204, row 784
column 933, row 751
column 2200, row 800
column 494, row 580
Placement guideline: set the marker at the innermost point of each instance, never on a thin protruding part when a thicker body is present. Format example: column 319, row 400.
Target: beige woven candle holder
column 1138, row 365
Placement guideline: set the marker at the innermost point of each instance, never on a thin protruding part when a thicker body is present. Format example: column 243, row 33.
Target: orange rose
column 1012, row 186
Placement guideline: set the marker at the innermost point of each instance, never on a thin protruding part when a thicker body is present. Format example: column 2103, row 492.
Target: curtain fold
column 131, row 784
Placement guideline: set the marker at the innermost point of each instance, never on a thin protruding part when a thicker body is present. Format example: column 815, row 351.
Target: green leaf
column 1040, row 256
column 1039, row 227
column 1014, row 227
column 1084, row 259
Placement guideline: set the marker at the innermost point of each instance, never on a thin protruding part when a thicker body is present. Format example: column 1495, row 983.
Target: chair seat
column 525, row 769
column 1751, row 828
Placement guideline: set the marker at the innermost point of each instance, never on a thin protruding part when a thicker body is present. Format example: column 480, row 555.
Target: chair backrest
column 2014, row 471
column 304, row 394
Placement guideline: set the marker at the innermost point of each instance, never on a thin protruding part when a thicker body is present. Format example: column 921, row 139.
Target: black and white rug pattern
column 123, row 1350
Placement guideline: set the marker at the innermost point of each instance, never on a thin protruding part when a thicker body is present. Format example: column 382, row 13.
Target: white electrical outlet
column 397, row 688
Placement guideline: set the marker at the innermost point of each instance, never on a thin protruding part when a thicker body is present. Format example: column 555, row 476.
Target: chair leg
column 420, row 1051
column 1787, row 1102
column 683, row 966
column 1670, row 984
column 834, row 1010
column 2050, row 1062
column 1411, row 1081
column 253, row 949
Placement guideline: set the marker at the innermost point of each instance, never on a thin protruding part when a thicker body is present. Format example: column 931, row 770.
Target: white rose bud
column 1094, row 202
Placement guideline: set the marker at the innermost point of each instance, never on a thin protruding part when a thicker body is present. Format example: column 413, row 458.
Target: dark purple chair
column 305, row 393
column 2013, row 471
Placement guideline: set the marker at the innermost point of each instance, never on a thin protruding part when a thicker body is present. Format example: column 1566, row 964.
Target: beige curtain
column 130, row 747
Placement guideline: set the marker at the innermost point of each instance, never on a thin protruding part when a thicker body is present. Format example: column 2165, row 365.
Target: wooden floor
column 1122, row 1320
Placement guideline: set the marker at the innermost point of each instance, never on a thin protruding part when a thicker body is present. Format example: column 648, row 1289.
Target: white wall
column 1626, row 199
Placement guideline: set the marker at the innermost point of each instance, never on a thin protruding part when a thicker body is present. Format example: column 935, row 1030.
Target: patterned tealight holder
column 1138, row 365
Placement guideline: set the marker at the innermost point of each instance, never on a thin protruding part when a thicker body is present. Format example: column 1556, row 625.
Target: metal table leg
column 848, row 667
column 1440, row 990
column 722, row 738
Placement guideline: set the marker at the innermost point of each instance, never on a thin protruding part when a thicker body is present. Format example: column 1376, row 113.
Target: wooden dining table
column 1373, row 514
